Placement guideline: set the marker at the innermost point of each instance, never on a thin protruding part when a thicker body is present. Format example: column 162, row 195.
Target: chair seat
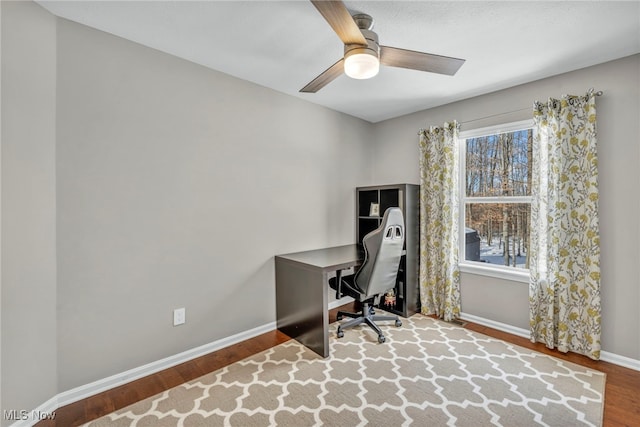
column 347, row 287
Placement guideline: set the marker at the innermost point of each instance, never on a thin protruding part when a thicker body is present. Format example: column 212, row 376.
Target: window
column 496, row 200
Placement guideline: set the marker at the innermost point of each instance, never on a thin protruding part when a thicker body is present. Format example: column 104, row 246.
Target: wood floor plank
column 622, row 390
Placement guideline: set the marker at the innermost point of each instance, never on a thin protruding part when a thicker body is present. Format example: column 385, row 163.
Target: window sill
column 497, row 272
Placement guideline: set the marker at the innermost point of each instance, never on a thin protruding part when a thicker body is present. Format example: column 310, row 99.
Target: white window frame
column 491, row 270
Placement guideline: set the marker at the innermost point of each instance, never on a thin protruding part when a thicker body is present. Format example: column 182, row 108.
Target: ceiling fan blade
column 325, row 78
column 337, row 15
column 395, row 57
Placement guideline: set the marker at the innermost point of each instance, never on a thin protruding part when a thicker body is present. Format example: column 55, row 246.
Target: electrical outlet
column 179, row 316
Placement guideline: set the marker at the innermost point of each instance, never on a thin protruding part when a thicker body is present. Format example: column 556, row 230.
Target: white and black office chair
column 377, row 274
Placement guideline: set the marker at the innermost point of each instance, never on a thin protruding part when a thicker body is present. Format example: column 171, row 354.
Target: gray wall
column 619, row 156
column 1, row 262
column 28, row 207
column 176, row 187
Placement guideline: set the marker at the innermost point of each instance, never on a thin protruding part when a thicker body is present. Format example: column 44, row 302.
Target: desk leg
column 302, row 304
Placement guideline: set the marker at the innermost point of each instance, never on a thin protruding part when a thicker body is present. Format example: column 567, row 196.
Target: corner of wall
column 28, row 350
column 1, row 401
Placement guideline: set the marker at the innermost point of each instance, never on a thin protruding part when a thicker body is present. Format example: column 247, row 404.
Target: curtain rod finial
column 592, row 91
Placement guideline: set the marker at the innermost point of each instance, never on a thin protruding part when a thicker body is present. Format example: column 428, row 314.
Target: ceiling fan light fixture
column 361, row 64
column 363, row 61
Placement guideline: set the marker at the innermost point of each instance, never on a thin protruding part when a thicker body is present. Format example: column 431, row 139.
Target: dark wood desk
column 302, row 292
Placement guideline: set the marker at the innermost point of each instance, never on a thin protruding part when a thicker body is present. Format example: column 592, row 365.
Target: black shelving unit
column 406, row 197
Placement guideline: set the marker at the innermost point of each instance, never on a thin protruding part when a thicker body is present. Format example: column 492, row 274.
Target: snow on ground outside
column 493, row 254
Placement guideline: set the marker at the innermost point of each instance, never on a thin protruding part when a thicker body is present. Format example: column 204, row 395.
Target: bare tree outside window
column 497, row 197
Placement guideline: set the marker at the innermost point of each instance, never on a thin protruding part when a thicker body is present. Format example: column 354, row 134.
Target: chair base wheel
column 398, row 323
column 340, row 334
column 381, row 339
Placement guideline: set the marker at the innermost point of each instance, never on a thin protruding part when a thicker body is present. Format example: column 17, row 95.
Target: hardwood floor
column 622, row 392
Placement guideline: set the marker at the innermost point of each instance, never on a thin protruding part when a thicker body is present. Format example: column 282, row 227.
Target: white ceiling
column 285, row 44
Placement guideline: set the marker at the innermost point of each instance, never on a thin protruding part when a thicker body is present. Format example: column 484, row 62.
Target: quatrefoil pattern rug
column 428, row 373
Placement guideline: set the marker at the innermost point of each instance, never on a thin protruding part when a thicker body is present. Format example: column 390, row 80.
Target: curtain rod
column 589, row 92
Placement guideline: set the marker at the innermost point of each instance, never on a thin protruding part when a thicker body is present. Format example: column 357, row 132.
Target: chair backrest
column 383, row 249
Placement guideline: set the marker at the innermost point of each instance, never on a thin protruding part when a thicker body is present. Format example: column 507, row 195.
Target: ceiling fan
column 362, row 53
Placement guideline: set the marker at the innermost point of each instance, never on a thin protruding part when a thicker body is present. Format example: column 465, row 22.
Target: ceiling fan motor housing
column 372, row 47
column 365, row 24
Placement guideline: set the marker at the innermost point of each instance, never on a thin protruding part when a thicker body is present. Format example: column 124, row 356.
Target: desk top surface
column 333, row 258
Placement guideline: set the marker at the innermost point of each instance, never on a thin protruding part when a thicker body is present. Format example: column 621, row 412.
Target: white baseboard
column 605, row 356
column 495, row 325
column 340, row 302
column 49, row 407
column 616, row 359
column 99, row 386
column 87, row 390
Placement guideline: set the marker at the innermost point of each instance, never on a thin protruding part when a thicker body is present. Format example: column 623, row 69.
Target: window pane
column 498, row 165
column 495, row 232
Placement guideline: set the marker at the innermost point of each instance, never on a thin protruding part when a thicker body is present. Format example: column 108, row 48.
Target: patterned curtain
column 564, row 292
column 439, row 198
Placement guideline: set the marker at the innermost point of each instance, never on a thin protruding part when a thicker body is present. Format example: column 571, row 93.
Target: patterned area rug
column 428, row 373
